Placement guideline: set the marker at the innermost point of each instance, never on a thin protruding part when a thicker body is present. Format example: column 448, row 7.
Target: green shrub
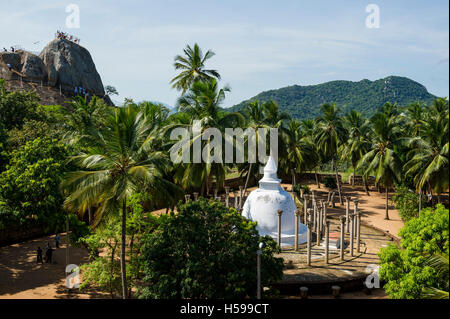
column 305, row 188
column 206, row 250
column 405, row 269
column 330, row 182
column 407, row 203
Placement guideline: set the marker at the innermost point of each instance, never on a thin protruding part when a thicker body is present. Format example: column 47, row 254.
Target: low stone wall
column 16, row 235
column 359, row 180
column 309, row 178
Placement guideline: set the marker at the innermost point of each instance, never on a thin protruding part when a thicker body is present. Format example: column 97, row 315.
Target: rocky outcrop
column 62, row 64
column 70, row 65
column 23, row 64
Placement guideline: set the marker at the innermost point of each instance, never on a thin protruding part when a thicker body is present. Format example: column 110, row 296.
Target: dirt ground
column 22, row 278
column 372, row 208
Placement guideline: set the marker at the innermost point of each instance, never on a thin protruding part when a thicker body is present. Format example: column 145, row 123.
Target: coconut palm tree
column 84, row 118
column 192, row 66
column 415, row 113
column 429, row 157
column 330, row 133
column 382, row 160
column 203, row 103
column 308, row 129
column 300, row 151
column 119, row 163
column 439, row 262
column 357, row 143
column 255, row 119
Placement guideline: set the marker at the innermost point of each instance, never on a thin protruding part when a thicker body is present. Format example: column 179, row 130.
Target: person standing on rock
column 9, row 66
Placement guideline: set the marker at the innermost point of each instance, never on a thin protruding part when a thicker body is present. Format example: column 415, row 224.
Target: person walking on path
column 57, row 240
column 39, row 255
column 48, row 254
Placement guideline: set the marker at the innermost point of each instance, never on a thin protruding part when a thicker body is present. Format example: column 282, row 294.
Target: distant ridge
column 365, row 96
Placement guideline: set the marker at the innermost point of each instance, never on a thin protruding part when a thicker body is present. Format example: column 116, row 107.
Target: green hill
column 364, row 96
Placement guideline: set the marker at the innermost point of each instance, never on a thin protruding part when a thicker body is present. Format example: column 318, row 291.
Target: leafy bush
column 78, row 229
column 30, row 185
column 405, row 269
column 206, row 250
column 407, row 203
column 305, row 188
column 330, row 182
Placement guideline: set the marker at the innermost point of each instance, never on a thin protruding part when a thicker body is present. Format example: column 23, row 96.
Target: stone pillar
column 319, row 229
column 309, row 216
column 297, row 217
column 324, row 213
column 352, row 232
column 355, row 209
column 314, row 216
column 308, row 243
column 304, row 292
column 195, row 196
column 328, row 197
column 342, row 241
column 235, row 199
column 313, row 195
column 347, row 212
column 327, row 241
column 332, row 200
column 227, row 196
column 187, row 197
column 322, row 219
column 215, row 192
column 241, row 196
column 280, row 212
column 305, row 206
column 358, row 232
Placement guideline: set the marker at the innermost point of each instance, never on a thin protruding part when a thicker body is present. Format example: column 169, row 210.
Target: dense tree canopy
column 405, row 268
column 206, row 250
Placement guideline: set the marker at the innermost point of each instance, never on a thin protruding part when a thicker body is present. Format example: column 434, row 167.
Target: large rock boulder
column 33, row 68
column 25, row 64
column 70, row 65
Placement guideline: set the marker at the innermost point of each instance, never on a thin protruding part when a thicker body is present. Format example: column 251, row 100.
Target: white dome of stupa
column 262, row 206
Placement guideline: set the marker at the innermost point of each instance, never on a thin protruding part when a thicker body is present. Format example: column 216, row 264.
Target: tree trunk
column 431, row 193
column 293, row 181
column 131, row 259
column 111, row 287
column 387, row 203
column 353, row 179
column 317, row 178
column 122, row 254
column 90, row 216
column 248, row 177
column 366, row 186
column 420, row 200
column 337, row 181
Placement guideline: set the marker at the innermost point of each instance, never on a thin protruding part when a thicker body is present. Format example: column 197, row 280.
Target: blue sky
column 259, row 45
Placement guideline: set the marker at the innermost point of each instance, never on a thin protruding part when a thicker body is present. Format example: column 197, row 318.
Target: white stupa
column 262, row 206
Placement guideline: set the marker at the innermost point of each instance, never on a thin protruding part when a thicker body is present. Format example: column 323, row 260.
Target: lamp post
column 280, row 212
column 297, row 217
column 258, row 270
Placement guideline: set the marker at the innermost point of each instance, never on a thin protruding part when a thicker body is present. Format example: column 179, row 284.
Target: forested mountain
column 364, row 96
